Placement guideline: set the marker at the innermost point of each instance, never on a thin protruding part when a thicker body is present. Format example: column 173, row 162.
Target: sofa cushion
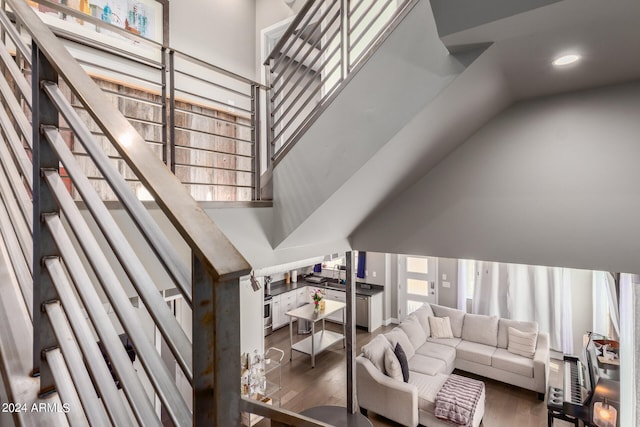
column 374, row 351
column 411, row 326
column 440, row 327
column 439, row 351
column 522, row 343
column 451, row 342
column 510, row 362
column 427, row 365
column 455, row 316
column 397, row 335
column 481, row 329
column 392, row 365
column 474, row 352
column 428, row 386
column 503, row 329
column 423, row 314
column 404, row 363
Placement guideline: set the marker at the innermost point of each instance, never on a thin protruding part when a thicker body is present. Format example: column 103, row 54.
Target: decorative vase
column 316, row 306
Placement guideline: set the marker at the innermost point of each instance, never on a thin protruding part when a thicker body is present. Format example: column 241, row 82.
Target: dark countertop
column 280, row 287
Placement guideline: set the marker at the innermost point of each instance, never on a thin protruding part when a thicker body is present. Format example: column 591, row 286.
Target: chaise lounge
column 436, row 340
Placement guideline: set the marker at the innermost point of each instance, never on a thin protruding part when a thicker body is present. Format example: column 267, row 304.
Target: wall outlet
column 446, row 284
column 374, row 274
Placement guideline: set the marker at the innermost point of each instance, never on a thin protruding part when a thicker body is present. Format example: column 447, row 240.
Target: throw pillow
column 411, row 326
column 392, row 365
column 440, row 327
column 522, row 343
column 404, row 363
column 423, row 314
column 374, row 351
column 398, row 336
column 456, row 317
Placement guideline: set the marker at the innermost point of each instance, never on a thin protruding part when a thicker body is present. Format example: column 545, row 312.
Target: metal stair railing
column 16, row 176
column 64, row 264
column 323, row 47
column 186, row 101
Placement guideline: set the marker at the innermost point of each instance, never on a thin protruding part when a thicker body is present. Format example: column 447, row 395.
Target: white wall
column 375, row 269
column 219, row 31
column 547, row 182
column 251, row 317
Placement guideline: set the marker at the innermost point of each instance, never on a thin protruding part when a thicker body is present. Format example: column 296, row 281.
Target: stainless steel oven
column 268, row 314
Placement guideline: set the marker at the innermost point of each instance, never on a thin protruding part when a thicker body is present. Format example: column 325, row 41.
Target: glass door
column 416, row 283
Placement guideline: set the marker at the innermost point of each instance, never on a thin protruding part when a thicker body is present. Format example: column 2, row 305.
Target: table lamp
column 604, row 414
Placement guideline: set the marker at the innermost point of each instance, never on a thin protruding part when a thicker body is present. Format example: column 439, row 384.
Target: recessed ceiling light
column 566, row 60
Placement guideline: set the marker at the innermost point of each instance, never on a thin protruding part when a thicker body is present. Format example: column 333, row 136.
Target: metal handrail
column 216, row 264
column 290, row 30
column 217, row 69
column 292, row 110
column 251, row 93
column 151, row 231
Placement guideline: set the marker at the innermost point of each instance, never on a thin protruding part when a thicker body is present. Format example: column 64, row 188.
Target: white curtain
column 491, row 291
column 606, row 319
column 531, row 293
column 462, row 284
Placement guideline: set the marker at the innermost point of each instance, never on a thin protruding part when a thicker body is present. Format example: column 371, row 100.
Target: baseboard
column 389, row 321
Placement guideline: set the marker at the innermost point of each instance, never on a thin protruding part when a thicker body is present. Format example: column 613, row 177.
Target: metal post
column 216, row 349
column 44, row 113
column 172, row 111
column 351, row 333
column 255, row 137
column 165, row 129
column 270, row 131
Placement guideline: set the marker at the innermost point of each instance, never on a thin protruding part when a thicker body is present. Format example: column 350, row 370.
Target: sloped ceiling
column 516, row 67
column 515, row 70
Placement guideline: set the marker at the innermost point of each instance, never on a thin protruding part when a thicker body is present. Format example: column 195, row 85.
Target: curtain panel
column 529, row 293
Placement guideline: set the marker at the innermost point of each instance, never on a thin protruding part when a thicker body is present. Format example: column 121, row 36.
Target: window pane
column 417, row 265
column 417, row 287
column 413, row 306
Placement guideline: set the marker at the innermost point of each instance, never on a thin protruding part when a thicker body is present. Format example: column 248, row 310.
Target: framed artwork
column 140, row 17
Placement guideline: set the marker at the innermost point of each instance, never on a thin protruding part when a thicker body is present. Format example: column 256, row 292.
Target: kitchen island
column 319, row 341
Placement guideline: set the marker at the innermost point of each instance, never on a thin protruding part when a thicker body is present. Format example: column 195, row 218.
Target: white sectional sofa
column 480, row 344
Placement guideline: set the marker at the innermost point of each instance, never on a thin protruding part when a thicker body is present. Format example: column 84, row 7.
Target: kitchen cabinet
column 303, row 296
column 375, row 312
column 287, row 303
column 282, row 304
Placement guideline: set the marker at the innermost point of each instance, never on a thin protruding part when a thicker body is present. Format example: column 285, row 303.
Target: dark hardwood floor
column 304, row 387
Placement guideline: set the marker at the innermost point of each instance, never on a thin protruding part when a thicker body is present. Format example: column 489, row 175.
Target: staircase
column 78, row 283
column 79, row 359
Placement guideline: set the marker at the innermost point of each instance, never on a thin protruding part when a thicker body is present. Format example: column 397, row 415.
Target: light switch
column 444, row 277
column 446, row 284
column 374, row 274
